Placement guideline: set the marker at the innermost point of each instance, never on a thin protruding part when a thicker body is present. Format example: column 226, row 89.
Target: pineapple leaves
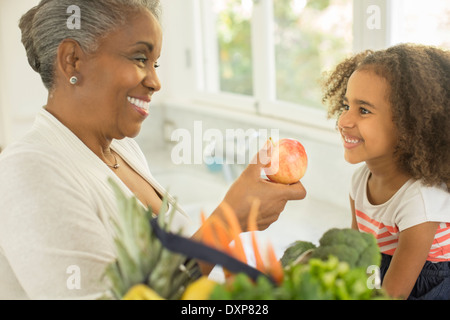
column 141, row 258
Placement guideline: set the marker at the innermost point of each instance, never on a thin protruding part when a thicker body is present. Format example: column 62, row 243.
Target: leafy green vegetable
column 358, row 249
column 319, row 279
column 242, row 287
column 294, row 251
column 141, row 257
column 335, row 270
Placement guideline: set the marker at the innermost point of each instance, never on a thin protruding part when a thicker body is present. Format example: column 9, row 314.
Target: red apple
column 288, row 161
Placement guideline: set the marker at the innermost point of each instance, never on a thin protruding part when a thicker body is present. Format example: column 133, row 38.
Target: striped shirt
column 413, row 204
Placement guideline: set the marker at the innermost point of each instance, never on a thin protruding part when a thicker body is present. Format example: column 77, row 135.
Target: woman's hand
column 272, row 196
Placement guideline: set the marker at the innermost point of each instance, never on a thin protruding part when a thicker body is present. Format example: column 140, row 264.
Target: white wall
column 177, row 71
column 21, row 90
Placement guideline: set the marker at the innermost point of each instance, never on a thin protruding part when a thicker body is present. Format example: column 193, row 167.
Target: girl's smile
column 350, row 141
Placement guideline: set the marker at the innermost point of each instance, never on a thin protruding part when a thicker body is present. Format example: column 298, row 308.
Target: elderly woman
column 56, row 203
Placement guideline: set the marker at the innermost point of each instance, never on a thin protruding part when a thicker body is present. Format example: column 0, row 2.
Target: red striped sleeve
column 442, row 235
column 390, row 252
column 375, row 223
column 387, row 237
column 387, row 242
column 440, row 249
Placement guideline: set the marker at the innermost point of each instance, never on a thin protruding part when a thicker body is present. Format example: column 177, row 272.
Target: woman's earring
column 73, row 80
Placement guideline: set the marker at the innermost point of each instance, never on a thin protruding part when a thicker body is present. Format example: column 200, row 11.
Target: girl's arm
column 352, row 206
column 409, row 258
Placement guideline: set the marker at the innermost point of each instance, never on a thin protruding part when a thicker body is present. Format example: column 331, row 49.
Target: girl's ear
column 69, row 59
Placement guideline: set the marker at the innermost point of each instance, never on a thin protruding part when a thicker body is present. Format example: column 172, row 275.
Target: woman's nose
column 152, row 81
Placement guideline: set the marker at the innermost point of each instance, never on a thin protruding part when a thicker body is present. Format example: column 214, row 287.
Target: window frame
column 264, row 102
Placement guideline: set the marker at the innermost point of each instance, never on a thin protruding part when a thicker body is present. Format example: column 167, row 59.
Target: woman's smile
column 124, row 92
column 141, row 105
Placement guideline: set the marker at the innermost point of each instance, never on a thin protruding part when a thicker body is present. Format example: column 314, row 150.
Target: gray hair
column 44, row 27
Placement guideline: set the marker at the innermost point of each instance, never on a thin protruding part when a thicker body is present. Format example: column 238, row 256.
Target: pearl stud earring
column 73, row 80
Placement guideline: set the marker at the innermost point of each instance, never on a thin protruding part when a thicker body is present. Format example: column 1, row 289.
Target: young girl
column 393, row 111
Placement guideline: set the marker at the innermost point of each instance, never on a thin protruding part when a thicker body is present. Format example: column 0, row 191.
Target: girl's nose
column 346, row 120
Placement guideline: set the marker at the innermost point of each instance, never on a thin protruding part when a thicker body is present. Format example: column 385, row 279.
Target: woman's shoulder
column 20, row 152
column 23, row 167
column 28, row 163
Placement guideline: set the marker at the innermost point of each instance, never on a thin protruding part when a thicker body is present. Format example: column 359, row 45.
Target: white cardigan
column 56, row 207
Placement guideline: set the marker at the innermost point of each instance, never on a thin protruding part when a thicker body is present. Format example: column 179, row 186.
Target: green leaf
column 141, row 258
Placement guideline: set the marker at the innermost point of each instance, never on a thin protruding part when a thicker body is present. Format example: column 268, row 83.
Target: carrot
column 258, row 259
column 275, row 269
column 238, row 248
column 254, row 210
column 252, row 227
column 223, row 236
column 230, row 216
column 207, row 232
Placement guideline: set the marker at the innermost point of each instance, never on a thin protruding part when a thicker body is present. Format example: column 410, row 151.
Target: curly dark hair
column 419, row 80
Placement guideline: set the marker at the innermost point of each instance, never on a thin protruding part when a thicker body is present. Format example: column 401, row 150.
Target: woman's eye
column 142, row 60
column 345, row 107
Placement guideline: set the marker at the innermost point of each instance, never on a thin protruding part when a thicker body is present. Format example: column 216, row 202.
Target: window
column 425, row 22
column 309, row 37
column 268, row 56
column 234, row 41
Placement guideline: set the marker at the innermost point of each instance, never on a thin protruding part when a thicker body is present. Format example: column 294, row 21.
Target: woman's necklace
column 115, row 165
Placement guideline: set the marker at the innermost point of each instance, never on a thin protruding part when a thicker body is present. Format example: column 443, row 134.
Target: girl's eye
column 156, row 65
column 364, row 111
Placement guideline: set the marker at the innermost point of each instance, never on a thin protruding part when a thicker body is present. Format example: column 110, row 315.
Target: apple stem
column 271, row 140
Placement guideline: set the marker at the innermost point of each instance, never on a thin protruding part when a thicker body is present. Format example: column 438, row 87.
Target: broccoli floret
column 294, row 251
column 349, row 237
column 341, row 251
column 356, row 248
column 371, row 255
